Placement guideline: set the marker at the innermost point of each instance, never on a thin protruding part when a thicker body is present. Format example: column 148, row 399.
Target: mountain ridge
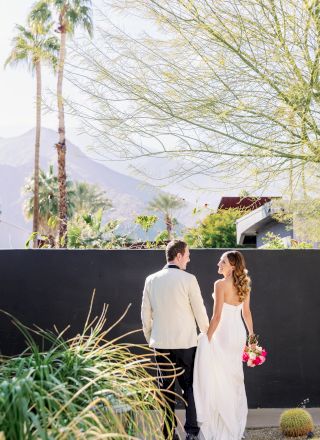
column 128, row 194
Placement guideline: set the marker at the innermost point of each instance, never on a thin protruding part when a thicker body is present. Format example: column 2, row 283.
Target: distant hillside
column 128, row 194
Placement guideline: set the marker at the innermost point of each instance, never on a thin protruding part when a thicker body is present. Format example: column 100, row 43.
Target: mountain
column 129, row 195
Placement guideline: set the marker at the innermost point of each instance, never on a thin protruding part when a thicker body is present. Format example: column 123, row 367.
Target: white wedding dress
column 218, row 384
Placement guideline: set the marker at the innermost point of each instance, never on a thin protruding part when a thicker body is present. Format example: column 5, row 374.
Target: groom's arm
column 146, row 312
column 197, row 305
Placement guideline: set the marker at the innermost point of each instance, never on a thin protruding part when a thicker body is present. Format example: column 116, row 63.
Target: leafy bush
column 87, row 231
column 217, row 230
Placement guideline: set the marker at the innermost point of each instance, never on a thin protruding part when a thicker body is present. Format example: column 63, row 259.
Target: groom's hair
column 175, row 247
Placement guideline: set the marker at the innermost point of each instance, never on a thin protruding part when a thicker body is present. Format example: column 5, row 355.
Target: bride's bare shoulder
column 220, row 282
column 224, row 284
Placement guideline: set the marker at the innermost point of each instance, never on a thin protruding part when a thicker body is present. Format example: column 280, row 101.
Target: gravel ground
column 274, row 434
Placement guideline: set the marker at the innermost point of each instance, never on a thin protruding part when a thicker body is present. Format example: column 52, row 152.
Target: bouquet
column 253, row 354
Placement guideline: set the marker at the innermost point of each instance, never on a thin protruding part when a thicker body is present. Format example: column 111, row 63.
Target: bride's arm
column 247, row 316
column 217, row 308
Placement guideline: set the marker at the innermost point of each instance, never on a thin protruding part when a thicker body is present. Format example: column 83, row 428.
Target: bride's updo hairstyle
column 241, row 279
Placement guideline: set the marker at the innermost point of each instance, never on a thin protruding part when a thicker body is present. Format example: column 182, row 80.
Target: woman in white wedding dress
column 218, row 383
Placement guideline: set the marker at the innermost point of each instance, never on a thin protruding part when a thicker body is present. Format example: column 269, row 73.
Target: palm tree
column 90, row 198
column 71, row 13
column 166, row 204
column 48, row 201
column 33, row 45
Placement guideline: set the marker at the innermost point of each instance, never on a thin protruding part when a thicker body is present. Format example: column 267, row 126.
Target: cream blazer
column 172, row 306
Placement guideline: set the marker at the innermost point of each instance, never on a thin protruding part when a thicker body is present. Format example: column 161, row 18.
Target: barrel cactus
column 296, row 422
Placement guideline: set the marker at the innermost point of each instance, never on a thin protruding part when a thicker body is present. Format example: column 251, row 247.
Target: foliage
column 85, row 387
column 146, row 221
column 296, row 422
column 48, row 200
column 167, row 204
column 69, row 14
column 274, row 241
column 217, row 230
column 162, row 238
column 300, row 245
column 90, row 198
column 246, row 105
column 302, row 215
column 34, row 235
column 88, row 231
column 83, row 200
column 34, row 44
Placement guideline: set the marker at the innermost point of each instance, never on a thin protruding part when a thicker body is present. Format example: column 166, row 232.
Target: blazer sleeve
column 197, row 305
column 146, row 312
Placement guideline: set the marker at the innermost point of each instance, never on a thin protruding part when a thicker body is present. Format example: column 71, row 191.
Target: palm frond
column 40, row 14
column 31, row 45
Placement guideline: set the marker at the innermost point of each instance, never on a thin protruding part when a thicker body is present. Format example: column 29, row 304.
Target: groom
column 172, row 305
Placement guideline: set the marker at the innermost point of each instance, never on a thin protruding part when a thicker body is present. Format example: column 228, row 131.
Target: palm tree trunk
column 168, row 222
column 35, row 227
column 61, row 146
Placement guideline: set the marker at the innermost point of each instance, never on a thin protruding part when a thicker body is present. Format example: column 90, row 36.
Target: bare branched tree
column 230, row 87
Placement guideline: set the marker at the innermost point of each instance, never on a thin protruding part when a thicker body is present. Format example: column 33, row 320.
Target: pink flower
column 245, row 357
column 254, row 356
column 257, row 361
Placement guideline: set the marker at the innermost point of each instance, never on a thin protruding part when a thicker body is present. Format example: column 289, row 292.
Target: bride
column 218, row 384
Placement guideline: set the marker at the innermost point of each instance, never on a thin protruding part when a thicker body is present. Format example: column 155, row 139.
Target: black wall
column 47, row 287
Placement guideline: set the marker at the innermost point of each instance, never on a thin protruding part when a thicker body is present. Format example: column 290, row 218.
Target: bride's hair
column 241, row 279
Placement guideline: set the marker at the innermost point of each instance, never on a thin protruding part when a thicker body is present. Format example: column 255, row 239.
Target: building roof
column 248, row 203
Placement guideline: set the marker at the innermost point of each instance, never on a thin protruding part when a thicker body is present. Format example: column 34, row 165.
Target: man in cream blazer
column 172, row 307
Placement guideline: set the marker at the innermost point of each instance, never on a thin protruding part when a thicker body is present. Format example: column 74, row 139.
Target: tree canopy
column 217, row 230
column 229, row 88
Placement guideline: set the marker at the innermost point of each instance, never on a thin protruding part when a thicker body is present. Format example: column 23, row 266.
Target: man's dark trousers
column 183, row 359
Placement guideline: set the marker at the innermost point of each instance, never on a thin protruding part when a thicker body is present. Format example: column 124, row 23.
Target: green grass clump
column 87, row 387
column 296, row 422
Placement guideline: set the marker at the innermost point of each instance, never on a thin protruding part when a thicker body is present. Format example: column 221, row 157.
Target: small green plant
column 162, row 238
column 300, row 245
column 296, row 422
column 274, row 241
column 87, row 230
column 146, row 221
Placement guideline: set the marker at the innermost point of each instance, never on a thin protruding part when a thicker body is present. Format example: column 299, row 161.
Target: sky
column 18, row 87
column 17, row 94
column 17, row 84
